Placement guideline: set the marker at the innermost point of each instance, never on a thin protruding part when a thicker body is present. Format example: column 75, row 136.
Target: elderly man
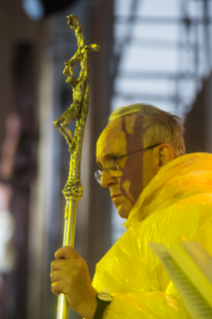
column 163, row 196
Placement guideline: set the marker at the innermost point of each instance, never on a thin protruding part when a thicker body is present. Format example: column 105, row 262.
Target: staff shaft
column 78, row 110
column 68, row 239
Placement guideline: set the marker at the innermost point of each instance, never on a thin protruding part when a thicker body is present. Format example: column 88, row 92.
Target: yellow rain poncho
column 176, row 203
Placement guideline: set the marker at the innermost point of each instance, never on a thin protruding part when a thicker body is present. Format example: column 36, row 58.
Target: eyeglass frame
column 117, row 158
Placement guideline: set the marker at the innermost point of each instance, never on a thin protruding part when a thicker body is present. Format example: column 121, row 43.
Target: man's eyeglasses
column 112, row 168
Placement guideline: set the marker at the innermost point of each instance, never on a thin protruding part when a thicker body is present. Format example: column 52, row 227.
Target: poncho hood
column 181, row 178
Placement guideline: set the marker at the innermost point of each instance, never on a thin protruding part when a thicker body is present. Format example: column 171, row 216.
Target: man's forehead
column 115, row 137
column 112, row 128
column 112, row 139
column 125, row 124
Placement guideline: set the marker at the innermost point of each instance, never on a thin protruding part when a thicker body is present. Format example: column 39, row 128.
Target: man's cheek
column 126, row 187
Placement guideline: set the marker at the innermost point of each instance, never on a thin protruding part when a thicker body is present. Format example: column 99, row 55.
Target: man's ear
column 165, row 154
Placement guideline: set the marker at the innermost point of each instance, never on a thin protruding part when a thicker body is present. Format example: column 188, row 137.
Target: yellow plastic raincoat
column 176, row 203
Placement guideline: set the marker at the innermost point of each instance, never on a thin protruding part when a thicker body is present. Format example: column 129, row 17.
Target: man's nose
column 107, row 179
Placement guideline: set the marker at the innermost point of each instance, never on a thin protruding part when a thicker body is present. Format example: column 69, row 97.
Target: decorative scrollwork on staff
column 79, row 107
column 78, row 110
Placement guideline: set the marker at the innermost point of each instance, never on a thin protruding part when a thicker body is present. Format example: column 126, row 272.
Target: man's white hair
column 154, row 126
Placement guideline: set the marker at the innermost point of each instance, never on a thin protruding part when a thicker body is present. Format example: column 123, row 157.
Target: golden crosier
column 73, row 189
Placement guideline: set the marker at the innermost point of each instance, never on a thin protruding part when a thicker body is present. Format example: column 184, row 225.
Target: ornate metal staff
column 73, row 189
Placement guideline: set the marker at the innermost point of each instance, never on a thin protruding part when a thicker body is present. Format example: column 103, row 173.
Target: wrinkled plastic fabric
column 175, row 205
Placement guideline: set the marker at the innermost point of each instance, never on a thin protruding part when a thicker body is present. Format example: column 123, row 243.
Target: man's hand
column 69, row 275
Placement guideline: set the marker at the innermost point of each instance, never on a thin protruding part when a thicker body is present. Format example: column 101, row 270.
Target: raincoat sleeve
column 155, row 305
column 160, row 303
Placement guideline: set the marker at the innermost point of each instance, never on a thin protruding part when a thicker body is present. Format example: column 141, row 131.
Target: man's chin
column 123, row 212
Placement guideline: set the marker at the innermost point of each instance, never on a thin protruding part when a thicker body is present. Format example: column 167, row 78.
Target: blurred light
column 7, row 255
column 34, row 9
column 39, row 9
